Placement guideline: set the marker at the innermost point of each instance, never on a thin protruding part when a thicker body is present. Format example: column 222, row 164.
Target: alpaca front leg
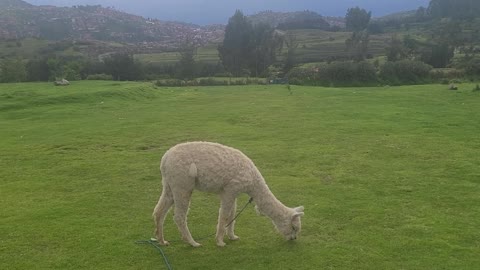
column 231, row 227
column 227, row 203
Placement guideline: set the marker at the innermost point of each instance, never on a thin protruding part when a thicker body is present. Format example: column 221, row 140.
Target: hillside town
column 21, row 20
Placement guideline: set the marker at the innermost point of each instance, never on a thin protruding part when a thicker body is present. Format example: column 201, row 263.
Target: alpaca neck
column 267, row 203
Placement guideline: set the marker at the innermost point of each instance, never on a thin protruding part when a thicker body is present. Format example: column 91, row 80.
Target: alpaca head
column 291, row 225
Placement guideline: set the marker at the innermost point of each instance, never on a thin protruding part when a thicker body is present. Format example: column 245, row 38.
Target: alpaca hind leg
column 230, row 229
column 182, row 202
column 160, row 212
column 227, row 203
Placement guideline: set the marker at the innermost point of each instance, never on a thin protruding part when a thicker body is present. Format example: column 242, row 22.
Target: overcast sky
column 218, row 11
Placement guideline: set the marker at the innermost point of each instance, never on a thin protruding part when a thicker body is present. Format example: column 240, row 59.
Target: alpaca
column 212, row 167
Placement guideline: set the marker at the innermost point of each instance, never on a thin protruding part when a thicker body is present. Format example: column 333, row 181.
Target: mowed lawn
column 389, row 176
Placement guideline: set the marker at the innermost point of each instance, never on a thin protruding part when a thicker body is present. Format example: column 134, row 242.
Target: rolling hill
column 19, row 20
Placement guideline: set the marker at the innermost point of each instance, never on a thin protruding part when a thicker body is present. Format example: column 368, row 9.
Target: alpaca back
column 209, row 167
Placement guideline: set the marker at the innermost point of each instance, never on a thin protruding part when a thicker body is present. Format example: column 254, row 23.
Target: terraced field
column 313, row 46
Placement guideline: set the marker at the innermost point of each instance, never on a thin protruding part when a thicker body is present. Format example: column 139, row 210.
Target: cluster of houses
column 99, row 23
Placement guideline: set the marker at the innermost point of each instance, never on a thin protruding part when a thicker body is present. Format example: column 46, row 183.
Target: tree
column 437, row 55
column 292, row 44
column 376, row 27
column 37, row 70
column 396, row 49
column 458, row 9
column 237, row 47
column 305, row 20
column 122, row 67
column 412, row 47
column 357, row 45
column 446, row 37
column 73, row 70
column 13, row 70
column 93, row 67
column 421, row 14
column 357, row 19
column 186, row 65
column 54, row 68
column 405, row 72
column 248, row 49
column 267, row 42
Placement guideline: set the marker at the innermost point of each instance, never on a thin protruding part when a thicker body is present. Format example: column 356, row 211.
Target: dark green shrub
column 170, row 82
column 208, row 82
column 444, row 81
column 444, row 75
column 100, row 77
column 405, row 72
column 345, row 73
column 304, row 76
column 472, row 68
column 477, row 88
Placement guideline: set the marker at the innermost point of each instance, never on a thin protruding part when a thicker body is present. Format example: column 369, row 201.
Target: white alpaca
column 216, row 168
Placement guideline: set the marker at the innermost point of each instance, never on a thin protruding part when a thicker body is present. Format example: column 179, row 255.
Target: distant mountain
column 397, row 15
column 9, row 4
column 297, row 19
column 19, row 19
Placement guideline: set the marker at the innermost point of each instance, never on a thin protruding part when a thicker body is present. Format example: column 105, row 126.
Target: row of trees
column 248, row 49
column 118, row 66
column 362, row 73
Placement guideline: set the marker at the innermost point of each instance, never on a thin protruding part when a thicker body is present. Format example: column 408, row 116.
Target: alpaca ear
column 298, row 209
column 298, row 214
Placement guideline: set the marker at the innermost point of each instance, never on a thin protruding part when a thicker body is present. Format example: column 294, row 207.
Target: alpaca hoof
column 195, row 244
column 221, row 244
column 163, row 243
column 234, row 238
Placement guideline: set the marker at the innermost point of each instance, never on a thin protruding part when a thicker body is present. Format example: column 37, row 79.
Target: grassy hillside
column 207, row 54
column 31, row 48
column 26, row 48
column 389, row 177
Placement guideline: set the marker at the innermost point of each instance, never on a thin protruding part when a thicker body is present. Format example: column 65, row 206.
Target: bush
column 209, row 82
column 345, row 73
column 304, row 76
column 100, row 77
column 170, row 82
column 405, row 72
column 477, row 88
column 206, row 81
column 472, row 68
column 445, row 75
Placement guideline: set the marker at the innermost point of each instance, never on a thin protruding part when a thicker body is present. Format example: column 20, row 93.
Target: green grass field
column 389, row 177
